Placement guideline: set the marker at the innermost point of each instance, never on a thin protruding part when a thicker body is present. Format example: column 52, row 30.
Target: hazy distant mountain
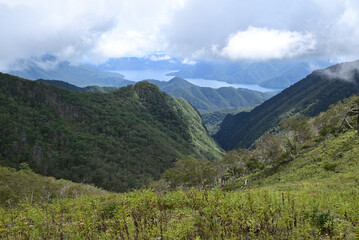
column 271, row 74
column 207, row 99
column 82, row 75
column 310, row 96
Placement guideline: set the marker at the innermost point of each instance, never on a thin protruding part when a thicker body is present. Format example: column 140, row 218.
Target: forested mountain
column 310, row 96
column 113, row 140
column 271, row 192
column 74, row 88
column 207, row 99
column 204, row 99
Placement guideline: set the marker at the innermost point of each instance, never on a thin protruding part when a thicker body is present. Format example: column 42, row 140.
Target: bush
column 330, row 166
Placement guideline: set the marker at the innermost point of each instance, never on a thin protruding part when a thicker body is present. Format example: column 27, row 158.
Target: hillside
column 304, row 199
column 71, row 87
column 310, row 96
column 25, row 185
column 206, row 99
column 116, row 140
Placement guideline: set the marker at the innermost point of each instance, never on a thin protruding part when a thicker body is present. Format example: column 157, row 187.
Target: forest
column 300, row 183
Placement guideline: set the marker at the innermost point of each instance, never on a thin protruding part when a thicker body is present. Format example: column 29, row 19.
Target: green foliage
column 115, row 140
column 308, row 97
column 206, row 99
column 25, row 185
column 195, row 214
column 190, row 172
column 313, row 195
column 212, row 120
column 330, row 166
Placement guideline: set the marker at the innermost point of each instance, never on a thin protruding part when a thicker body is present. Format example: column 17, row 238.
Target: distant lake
column 140, row 75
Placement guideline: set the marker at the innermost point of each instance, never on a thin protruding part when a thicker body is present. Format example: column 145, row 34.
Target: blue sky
column 257, row 30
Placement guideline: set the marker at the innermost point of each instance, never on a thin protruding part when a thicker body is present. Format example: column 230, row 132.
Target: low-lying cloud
column 264, row 44
column 345, row 71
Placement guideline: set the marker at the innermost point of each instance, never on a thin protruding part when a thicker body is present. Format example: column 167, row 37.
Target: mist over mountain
column 271, row 74
column 49, row 67
column 308, row 97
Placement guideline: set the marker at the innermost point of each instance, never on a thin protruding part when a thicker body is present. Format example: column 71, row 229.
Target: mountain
column 115, row 141
column 48, row 67
column 270, row 74
column 71, row 87
column 262, row 193
column 204, row 99
column 207, row 99
column 310, row 96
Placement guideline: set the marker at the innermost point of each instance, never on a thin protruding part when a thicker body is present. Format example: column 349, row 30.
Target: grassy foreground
column 196, row 214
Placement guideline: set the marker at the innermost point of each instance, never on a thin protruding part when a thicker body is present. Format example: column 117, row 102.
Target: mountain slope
column 207, row 99
column 203, row 99
column 22, row 185
column 313, row 94
column 114, row 140
column 71, row 87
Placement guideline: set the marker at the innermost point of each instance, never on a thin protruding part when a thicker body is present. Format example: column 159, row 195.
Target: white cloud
column 97, row 29
column 159, row 58
column 188, row 61
column 264, row 44
column 82, row 29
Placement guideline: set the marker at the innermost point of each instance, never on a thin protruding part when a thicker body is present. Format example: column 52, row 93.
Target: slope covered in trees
column 310, row 96
column 306, row 194
column 206, row 99
column 114, row 140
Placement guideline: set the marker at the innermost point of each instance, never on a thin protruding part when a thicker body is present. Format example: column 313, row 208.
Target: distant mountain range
column 270, row 74
column 48, row 67
column 277, row 74
column 204, row 99
column 207, row 99
column 310, row 96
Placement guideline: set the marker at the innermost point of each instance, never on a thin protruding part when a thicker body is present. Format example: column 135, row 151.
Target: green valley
column 306, row 194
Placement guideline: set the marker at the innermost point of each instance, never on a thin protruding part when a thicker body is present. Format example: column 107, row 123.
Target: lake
column 212, row 83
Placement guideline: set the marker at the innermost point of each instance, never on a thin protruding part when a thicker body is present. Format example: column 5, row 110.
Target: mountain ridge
column 311, row 95
column 113, row 140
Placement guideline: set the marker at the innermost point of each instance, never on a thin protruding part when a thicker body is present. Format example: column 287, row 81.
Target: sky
column 257, row 30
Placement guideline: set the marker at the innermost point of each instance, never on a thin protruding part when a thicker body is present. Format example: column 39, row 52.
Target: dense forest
column 298, row 184
column 308, row 97
column 115, row 140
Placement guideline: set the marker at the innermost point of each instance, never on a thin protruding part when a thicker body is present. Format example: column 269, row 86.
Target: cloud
column 188, row 61
column 204, row 27
column 345, row 71
column 264, row 44
column 95, row 30
column 82, row 29
column 156, row 58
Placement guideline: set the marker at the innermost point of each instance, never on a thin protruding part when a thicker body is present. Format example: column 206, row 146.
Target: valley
column 292, row 183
